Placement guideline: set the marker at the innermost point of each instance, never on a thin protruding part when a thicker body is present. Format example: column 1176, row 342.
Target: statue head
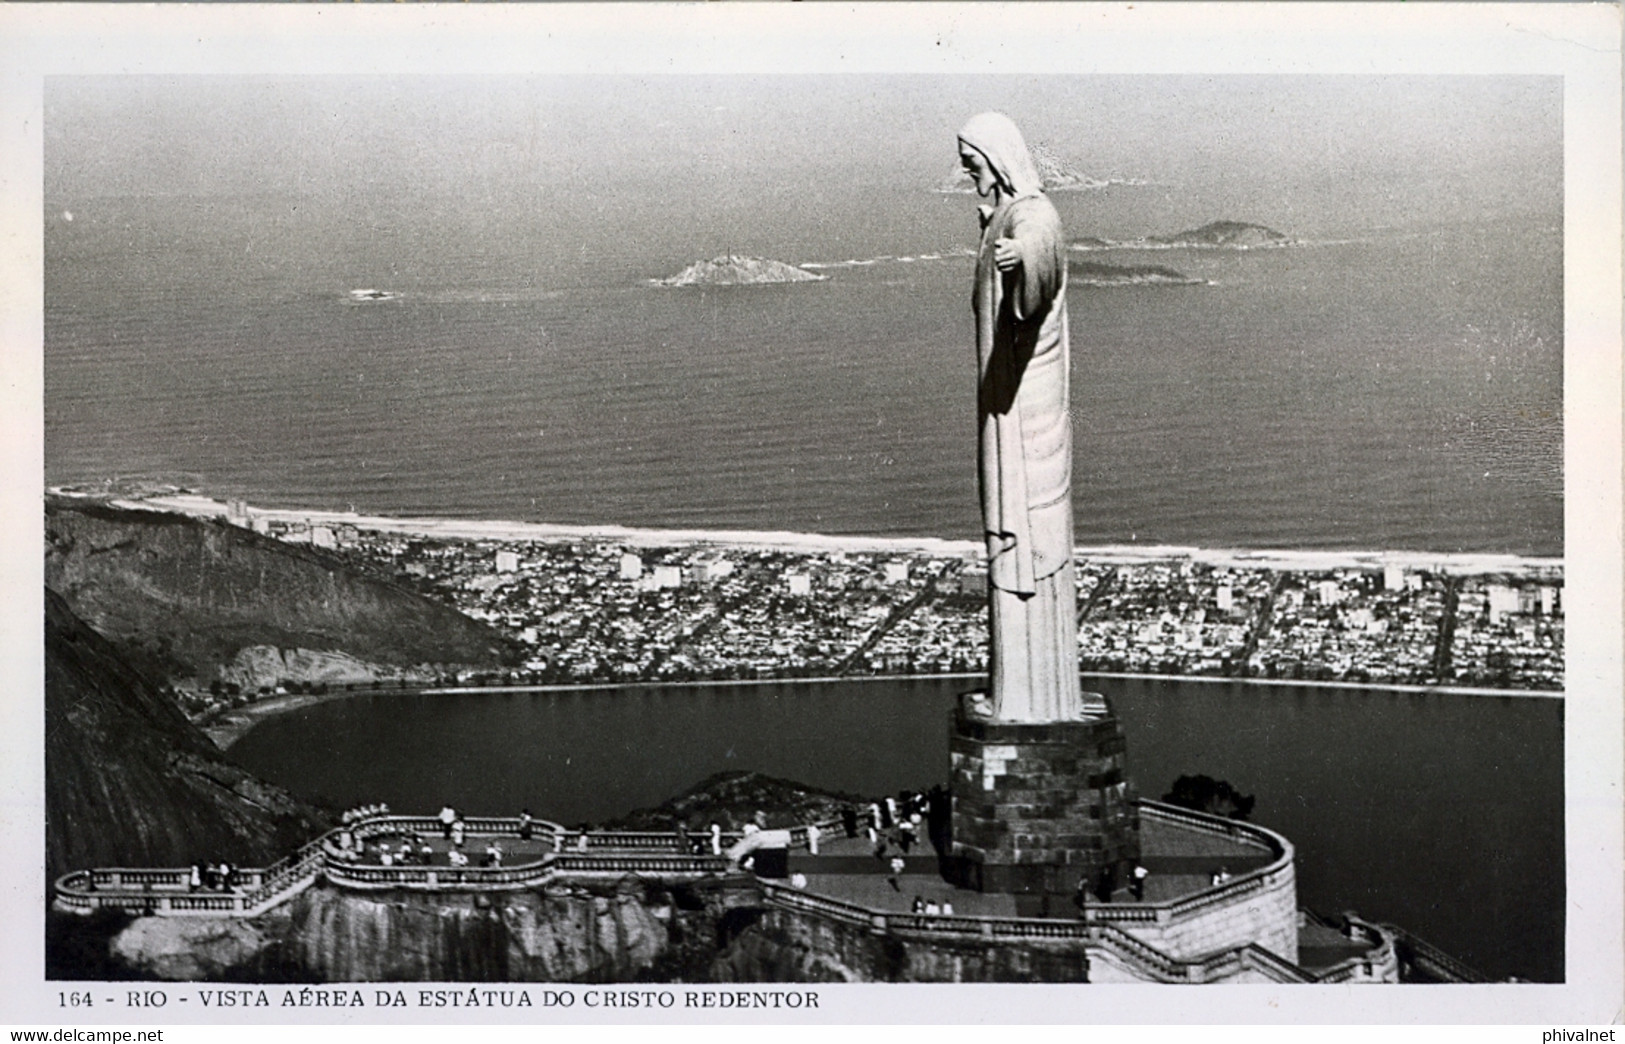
column 995, row 155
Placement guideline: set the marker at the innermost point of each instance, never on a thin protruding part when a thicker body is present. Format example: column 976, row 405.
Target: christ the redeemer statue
column 1025, row 451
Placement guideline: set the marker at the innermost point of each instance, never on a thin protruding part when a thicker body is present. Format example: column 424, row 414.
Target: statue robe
column 1025, row 465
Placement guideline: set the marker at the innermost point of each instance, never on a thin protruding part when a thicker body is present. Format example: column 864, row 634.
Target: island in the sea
column 734, row 270
column 1215, row 235
column 1057, row 173
column 1228, row 235
column 1094, row 273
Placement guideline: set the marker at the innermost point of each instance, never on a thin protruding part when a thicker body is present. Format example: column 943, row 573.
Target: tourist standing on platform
column 527, row 827
column 716, row 839
column 448, row 816
column 813, row 834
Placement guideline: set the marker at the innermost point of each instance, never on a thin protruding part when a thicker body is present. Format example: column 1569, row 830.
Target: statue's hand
column 1006, row 254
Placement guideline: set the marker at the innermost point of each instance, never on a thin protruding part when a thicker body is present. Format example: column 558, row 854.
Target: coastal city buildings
column 598, row 610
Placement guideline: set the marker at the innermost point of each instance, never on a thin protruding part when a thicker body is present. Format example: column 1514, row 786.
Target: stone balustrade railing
column 1237, row 887
column 1144, row 957
column 633, row 853
column 1432, row 960
column 168, row 891
column 1380, row 962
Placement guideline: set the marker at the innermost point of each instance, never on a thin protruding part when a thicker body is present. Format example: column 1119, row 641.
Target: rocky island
column 1091, row 273
column 1215, row 235
column 1225, row 235
column 1057, row 173
column 734, row 270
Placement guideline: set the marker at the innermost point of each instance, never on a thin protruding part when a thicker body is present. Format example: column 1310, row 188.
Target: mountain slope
column 181, row 596
column 129, row 782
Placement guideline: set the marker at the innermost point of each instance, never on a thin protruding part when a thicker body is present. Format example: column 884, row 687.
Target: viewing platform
column 1218, row 905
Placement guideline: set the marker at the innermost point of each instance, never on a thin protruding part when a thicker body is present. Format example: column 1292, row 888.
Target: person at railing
column 947, row 908
column 493, row 855
column 813, row 833
column 849, row 820
column 905, row 835
column 527, row 827
column 194, row 880
column 716, row 839
column 448, row 816
column 1137, row 881
column 917, row 906
column 456, row 857
column 457, row 830
column 1106, row 882
column 425, row 852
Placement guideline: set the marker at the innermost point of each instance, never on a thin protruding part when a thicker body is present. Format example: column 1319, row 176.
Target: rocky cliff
column 773, row 945
column 182, row 597
column 616, row 931
column 632, row 930
column 130, row 782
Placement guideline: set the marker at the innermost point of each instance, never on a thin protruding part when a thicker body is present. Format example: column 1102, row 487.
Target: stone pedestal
column 1040, row 809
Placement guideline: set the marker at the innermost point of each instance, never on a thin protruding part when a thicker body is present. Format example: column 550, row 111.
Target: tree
column 1213, row 796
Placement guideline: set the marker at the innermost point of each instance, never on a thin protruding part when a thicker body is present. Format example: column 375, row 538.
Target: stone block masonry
column 1042, row 809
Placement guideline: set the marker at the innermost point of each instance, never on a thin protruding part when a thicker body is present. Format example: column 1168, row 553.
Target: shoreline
column 231, row 727
column 1460, row 563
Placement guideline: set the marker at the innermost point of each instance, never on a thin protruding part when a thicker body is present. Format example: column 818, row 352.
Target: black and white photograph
column 737, row 540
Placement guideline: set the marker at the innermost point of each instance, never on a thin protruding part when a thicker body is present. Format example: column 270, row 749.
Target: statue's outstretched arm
column 1023, row 253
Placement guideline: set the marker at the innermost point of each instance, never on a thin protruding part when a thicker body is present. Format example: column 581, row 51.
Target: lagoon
column 1440, row 812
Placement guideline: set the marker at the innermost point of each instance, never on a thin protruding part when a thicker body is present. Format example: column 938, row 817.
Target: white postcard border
column 1579, row 42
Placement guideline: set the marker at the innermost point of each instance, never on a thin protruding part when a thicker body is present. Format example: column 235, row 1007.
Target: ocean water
column 1440, row 812
column 1387, row 388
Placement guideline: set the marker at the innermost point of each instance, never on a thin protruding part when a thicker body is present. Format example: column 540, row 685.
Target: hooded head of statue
column 997, row 138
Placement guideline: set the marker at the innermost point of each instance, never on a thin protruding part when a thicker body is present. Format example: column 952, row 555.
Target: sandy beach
column 1460, row 564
